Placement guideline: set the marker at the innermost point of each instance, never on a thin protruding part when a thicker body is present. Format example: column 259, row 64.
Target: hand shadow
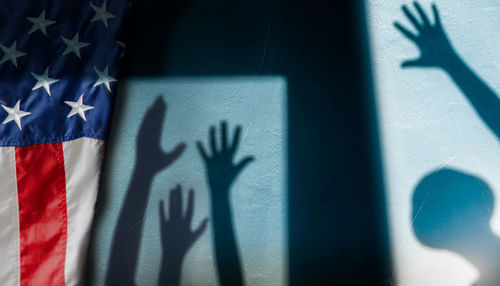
column 150, row 156
column 176, row 235
column 221, row 174
column 435, row 48
column 436, row 51
column 452, row 211
column 150, row 159
column 221, row 171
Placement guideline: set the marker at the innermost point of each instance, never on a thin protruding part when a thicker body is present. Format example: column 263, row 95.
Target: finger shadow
column 176, row 235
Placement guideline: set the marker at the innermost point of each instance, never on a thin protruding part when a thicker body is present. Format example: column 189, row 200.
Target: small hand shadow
column 176, row 235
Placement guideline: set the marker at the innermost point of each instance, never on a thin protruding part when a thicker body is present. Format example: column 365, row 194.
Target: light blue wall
column 258, row 197
column 427, row 124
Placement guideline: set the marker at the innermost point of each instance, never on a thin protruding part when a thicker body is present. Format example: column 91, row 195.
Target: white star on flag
column 40, row 23
column 43, row 80
column 101, row 14
column 78, row 107
column 14, row 114
column 73, row 45
column 104, row 78
column 11, row 54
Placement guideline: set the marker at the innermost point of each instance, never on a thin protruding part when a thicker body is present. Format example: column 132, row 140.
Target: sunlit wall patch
column 258, row 197
column 434, row 71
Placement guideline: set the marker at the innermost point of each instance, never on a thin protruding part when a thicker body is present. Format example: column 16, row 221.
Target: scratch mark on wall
column 266, row 46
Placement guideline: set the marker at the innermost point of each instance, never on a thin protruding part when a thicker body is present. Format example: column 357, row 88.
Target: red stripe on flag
column 41, row 187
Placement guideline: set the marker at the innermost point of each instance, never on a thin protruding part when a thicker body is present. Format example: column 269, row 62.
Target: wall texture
column 296, row 75
column 428, row 124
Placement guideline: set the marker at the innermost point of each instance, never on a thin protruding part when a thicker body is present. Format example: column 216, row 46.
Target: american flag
column 58, row 61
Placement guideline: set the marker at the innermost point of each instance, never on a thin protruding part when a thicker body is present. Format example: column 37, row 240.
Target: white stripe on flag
column 9, row 219
column 82, row 162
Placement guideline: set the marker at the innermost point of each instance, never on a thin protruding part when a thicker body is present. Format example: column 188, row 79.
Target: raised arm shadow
column 452, row 209
column 150, row 159
column 437, row 51
column 221, row 174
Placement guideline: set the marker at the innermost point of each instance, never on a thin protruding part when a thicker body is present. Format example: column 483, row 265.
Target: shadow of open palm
column 221, row 171
column 431, row 40
column 176, row 235
column 437, row 51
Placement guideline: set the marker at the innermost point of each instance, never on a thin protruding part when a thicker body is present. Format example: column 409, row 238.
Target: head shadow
column 451, row 210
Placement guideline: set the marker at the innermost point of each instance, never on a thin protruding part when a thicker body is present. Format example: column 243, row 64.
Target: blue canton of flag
column 57, row 69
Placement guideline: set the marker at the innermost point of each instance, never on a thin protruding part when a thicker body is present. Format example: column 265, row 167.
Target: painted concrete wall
column 427, row 124
column 258, row 198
